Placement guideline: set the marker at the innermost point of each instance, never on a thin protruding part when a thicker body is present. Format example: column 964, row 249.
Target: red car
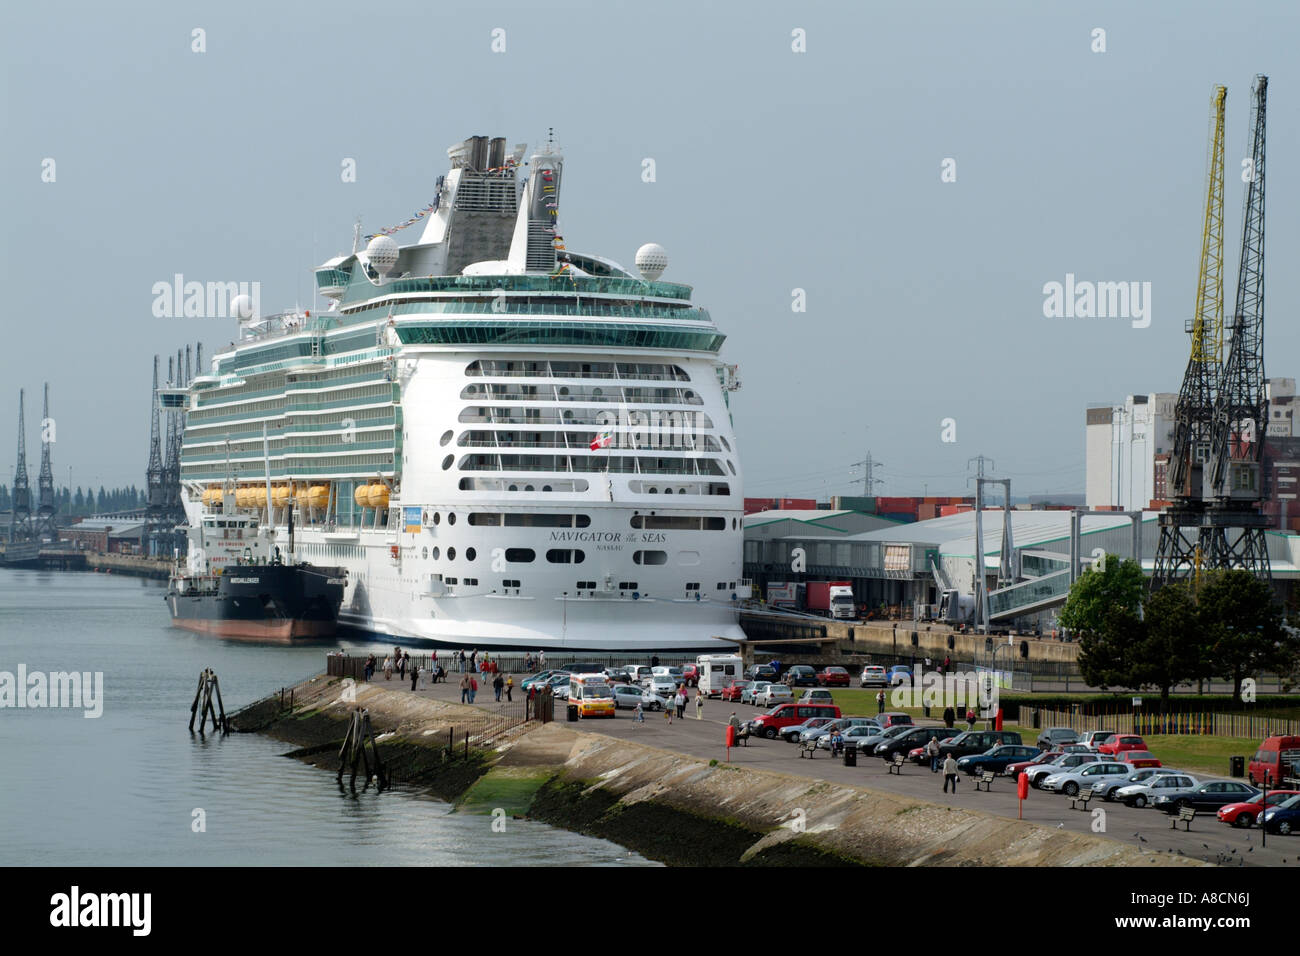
column 1047, row 756
column 732, row 689
column 1121, row 742
column 691, row 674
column 1247, row 814
column 1138, row 758
column 833, row 677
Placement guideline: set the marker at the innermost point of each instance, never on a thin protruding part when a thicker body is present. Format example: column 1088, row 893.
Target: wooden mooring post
column 353, row 752
column 203, row 705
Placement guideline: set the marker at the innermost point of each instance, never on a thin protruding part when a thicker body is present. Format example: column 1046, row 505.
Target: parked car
column 775, row 693
column 629, row 695
column 792, row 734
column 855, row 734
column 1108, row 787
column 892, row 717
column 1122, row 742
column 900, row 674
column 760, row 672
column 818, row 694
column 1210, row 795
column 749, row 694
column 1054, row 737
column 1140, row 794
column 1095, row 738
column 1070, row 782
column 540, row 678
column 586, row 667
column 677, row 675
column 800, row 675
column 620, row 675
column 873, row 676
column 1276, row 761
column 1138, row 758
column 1283, row 819
column 868, row 744
column 910, row 739
column 833, row 677
column 1044, row 756
column 843, row 723
column 1245, row 814
column 734, row 689
column 969, row 742
column 640, row 673
column 662, row 685
column 1061, row 764
column 771, row 723
column 997, row 758
column 691, row 674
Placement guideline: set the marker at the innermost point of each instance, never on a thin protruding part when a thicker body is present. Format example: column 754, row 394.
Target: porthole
column 424, row 553
column 564, row 390
column 546, row 487
column 668, row 491
column 446, row 437
column 520, row 556
column 470, row 554
column 437, row 517
column 514, row 487
column 436, row 553
column 733, row 524
column 528, row 487
column 451, row 554
column 725, row 444
column 731, row 466
column 451, row 517
column 654, row 491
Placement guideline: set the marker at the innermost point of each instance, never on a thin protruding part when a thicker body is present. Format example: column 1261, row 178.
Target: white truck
column 715, row 670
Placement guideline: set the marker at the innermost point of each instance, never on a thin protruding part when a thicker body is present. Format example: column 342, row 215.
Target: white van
column 716, row 670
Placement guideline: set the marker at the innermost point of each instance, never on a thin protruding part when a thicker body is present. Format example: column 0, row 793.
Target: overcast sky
column 775, row 171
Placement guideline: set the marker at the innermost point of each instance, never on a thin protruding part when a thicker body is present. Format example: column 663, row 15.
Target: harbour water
column 123, row 788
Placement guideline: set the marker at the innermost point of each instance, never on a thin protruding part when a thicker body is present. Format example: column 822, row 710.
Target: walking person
column 880, row 702
column 498, row 685
column 473, row 688
column 932, row 750
column 415, row 675
column 699, row 704
column 950, row 773
column 464, row 688
column 388, row 668
column 401, row 666
column 970, row 718
column 949, row 717
column 370, row 667
column 640, row 714
column 541, row 660
column 510, row 685
column 424, row 675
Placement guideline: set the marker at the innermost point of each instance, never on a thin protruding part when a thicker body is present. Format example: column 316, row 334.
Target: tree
column 1103, row 650
column 1118, row 585
column 1170, row 647
column 1243, row 624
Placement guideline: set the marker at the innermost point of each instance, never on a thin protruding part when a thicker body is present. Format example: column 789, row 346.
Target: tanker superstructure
column 504, row 443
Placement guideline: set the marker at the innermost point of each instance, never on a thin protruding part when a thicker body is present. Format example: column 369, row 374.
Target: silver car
column 774, row 694
column 626, row 695
column 795, row 734
column 856, row 734
column 748, row 695
column 1108, row 786
column 843, row 723
column 1070, row 782
column 1141, row 794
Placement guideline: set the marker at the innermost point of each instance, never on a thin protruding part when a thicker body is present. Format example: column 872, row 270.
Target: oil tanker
column 264, row 603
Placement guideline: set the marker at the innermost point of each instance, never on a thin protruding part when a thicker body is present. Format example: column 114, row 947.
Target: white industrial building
column 1127, row 444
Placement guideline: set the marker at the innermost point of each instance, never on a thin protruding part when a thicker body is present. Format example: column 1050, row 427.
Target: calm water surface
column 121, row 789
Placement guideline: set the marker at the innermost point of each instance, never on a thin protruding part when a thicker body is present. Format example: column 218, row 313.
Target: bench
column 1185, row 816
column 808, row 749
column 985, row 780
column 896, row 765
column 1080, row 801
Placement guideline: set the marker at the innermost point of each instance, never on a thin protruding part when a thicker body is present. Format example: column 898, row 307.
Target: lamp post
column 564, row 622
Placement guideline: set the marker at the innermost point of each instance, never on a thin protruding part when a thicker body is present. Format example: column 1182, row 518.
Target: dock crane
column 1233, row 483
column 1184, row 537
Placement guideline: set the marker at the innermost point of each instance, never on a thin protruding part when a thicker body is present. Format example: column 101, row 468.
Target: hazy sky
column 776, row 171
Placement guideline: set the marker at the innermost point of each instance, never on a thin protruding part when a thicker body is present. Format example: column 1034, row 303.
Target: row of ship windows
column 650, row 522
column 575, row 485
column 681, row 428
column 515, row 583
column 553, row 415
column 565, row 393
column 610, row 464
column 551, row 369
column 561, row 556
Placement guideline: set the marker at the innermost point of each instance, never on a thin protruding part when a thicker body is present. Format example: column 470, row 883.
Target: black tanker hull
column 270, row 604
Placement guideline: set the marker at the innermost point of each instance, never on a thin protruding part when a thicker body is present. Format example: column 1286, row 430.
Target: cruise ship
column 505, row 443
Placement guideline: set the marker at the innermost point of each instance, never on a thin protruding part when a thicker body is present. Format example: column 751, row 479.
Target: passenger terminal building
column 898, row 565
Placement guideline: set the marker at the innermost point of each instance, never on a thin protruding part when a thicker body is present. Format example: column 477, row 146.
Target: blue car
column 1283, row 818
column 996, row 759
column 900, row 674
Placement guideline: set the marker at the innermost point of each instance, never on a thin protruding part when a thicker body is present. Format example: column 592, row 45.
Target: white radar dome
column 651, row 260
column 382, row 253
column 241, row 307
